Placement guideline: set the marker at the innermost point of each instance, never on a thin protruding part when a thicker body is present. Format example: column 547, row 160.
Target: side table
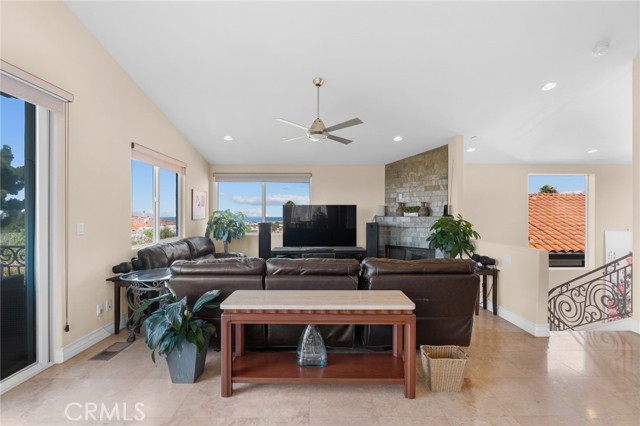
column 118, row 284
column 493, row 273
column 147, row 282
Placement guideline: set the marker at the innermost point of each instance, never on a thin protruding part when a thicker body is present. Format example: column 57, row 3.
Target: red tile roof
column 138, row 222
column 556, row 222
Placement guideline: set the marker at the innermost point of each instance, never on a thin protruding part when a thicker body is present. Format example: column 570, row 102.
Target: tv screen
column 319, row 225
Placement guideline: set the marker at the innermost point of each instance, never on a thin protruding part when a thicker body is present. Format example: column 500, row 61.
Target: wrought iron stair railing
column 602, row 295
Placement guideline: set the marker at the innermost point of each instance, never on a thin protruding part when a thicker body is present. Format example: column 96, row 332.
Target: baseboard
column 67, row 352
column 538, row 330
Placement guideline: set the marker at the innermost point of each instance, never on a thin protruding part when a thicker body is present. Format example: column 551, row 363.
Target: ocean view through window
column 155, row 208
column 261, row 197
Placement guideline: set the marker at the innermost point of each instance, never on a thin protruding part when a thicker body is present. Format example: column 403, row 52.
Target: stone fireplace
column 412, row 181
column 405, row 237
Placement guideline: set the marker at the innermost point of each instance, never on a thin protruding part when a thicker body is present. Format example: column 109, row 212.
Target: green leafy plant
column 174, row 323
column 453, row 235
column 411, row 209
column 225, row 225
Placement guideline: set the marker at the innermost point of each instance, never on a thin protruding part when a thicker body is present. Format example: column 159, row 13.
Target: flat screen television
column 319, row 225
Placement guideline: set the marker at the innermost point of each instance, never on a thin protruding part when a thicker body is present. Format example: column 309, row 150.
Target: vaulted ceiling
column 426, row 71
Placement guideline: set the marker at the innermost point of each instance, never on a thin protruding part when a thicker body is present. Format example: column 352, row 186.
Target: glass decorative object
column 312, row 351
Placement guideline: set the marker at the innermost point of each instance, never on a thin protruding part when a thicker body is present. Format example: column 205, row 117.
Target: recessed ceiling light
column 549, row 86
column 471, row 149
column 228, row 138
column 592, row 151
column 398, row 139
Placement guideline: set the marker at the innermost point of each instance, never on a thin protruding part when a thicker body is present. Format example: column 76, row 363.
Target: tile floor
column 571, row 378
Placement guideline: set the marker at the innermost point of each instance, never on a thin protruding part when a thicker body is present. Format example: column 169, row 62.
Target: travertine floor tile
column 512, row 378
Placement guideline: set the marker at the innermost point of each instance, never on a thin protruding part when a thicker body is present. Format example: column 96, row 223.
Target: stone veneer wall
column 422, row 177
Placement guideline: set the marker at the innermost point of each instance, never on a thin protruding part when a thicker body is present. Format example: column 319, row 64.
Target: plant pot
column 188, row 365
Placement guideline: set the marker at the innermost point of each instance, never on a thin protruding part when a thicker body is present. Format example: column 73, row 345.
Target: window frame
column 160, row 161
column 589, row 221
column 263, row 179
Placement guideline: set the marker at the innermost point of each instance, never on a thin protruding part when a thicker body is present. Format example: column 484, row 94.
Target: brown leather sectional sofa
column 445, row 292
column 164, row 254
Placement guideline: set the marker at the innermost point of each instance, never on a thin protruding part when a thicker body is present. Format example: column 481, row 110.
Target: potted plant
column 453, row 236
column 177, row 334
column 226, row 225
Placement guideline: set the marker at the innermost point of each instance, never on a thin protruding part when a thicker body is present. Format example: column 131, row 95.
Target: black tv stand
column 337, row 252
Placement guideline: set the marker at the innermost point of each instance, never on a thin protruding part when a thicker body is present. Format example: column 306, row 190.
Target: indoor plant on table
column 177, row 334
column 226, row 225
column 453, row 236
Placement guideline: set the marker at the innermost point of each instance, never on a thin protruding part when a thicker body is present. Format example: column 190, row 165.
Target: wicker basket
column 443, row 367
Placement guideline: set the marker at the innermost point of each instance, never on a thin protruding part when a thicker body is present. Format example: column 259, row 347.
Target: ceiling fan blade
column 339, row 139
column 293, row 139
column 348, row 123
column 291, row 123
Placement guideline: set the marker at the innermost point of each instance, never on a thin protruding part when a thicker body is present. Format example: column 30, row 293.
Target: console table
column 357, row 253
column 383, row 307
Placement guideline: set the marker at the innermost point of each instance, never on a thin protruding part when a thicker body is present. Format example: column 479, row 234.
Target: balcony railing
column 12, row 259
column 602, row 295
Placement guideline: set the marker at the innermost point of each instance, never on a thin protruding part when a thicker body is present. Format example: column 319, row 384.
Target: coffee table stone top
column 318, row 300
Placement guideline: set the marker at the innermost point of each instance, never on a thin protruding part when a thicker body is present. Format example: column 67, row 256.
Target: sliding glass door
column 18, row 330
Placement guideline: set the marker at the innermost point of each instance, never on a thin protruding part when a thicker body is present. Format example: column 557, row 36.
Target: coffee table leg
column 225, row 355
column 410, row 358
column 239, row 339
column 397, row 340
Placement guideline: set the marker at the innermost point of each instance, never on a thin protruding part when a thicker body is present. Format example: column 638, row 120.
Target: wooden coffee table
column 379, row 307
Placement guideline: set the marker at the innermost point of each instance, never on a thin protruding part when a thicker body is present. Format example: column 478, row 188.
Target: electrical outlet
column 108, row 305
column 99, row 309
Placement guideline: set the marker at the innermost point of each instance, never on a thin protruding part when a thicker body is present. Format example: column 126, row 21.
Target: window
column 261, row 196
column 557, row 218
column 155, row 196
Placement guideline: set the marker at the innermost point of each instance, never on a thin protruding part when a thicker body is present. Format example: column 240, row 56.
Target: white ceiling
column 424, row 70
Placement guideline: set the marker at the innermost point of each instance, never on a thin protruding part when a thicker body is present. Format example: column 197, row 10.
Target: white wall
column 359, row 185
column 108, row 113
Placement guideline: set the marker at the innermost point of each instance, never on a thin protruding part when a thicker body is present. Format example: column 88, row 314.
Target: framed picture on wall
column 199, row 204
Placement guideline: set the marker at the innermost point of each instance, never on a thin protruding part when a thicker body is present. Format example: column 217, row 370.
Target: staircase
column 599, row 296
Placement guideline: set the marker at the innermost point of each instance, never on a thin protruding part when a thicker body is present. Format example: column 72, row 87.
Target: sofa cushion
column 200, row 246
column 223, row 266
column 312, row 266
column 374, row 266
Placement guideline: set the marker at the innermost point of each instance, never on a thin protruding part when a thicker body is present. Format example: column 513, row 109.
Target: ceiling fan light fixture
column 398, row 139
column 592, row 151
column 228, row 138
column 472, row 149
column 549, row 86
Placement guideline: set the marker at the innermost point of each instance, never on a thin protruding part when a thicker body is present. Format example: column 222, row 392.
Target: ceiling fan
column 318, row 130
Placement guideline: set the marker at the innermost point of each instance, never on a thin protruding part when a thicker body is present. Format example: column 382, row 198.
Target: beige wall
column 496, row 203
column 108, row 113
column 359, row 185
column 522, row 288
